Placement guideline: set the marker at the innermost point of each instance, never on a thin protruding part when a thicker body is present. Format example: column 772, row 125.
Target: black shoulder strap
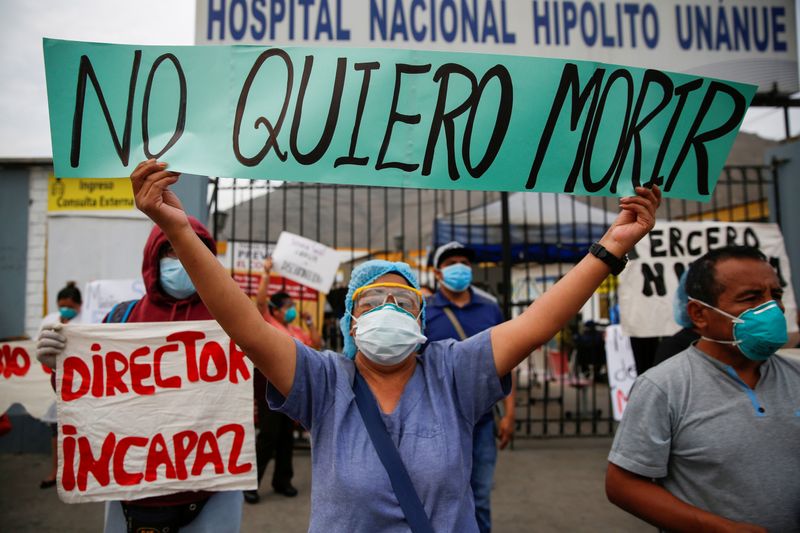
column 120, row 312
column 390, row 458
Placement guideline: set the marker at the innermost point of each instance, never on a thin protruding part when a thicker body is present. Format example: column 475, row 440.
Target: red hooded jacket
column 157, row 305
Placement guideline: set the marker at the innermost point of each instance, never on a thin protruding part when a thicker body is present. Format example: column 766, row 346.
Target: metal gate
column 524, row 243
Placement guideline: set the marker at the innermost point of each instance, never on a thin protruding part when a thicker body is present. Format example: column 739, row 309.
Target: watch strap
column 616, row 264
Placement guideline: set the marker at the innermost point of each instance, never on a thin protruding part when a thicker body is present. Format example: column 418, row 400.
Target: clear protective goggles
column 369, row 297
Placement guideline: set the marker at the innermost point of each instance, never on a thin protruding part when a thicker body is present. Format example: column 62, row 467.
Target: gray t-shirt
column 713, row 442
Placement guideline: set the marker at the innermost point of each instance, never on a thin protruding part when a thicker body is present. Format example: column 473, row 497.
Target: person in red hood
column 170, row 296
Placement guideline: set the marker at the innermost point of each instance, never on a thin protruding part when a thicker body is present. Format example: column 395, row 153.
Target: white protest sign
column 153, row 408
column 245, row 260
column 23, row 379
column 647, row 286
column 305, row 261
column 247, row 255
column 621, row 367
column 101, row 295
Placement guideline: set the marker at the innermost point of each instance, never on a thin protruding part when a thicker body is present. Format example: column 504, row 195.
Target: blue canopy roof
column 545, row 228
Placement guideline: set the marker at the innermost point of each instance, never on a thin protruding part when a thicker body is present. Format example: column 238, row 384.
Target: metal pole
column 506, row 256
column 214, row 216
column 786, row 125
column 774, row 164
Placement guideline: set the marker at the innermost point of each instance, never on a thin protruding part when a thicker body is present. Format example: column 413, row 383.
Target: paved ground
column 542, row 485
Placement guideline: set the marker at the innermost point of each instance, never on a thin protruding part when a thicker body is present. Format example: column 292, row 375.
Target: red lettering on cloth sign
column 23, row 379
column 153, row 408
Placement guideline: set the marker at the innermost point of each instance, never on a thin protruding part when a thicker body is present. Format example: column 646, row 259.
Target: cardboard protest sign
column 305, row 261
column 151, row 409
column 648, row 284
column 621, row 368
column 245, row 260
column 23, row 379
column 389, row 117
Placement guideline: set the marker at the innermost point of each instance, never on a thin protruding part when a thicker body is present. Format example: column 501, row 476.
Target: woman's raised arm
column 514, row 340
column 272, row 351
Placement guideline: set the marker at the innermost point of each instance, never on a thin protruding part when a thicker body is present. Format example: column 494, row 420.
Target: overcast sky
column 24, row 123
column 24, row 127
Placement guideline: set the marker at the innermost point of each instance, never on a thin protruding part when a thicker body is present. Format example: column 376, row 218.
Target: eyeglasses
column 371, row 296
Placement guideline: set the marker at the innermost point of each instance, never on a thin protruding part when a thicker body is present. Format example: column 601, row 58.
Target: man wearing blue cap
column 708, row 440
column 458, row 311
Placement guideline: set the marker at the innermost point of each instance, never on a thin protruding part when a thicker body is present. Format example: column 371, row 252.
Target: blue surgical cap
column 364, row 274
column 680, row 302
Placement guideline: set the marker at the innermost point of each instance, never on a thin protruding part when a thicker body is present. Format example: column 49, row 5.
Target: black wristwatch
column 615, row 263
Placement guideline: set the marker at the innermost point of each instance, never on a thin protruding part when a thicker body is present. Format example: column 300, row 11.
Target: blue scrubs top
column 479, row 314
column 453, row 384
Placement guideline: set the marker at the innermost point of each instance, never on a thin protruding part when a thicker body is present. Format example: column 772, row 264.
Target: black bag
column 120, row 312
column 162, row 519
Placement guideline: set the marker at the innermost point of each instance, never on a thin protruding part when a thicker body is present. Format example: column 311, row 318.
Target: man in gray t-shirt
column 710, row 439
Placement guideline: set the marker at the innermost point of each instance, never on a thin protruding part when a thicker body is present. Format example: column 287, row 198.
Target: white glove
column 51, row 344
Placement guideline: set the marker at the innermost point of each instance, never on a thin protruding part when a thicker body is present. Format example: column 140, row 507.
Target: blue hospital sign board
column 751, row 41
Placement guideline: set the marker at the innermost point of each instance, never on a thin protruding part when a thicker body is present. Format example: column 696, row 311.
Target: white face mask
column 387, row 334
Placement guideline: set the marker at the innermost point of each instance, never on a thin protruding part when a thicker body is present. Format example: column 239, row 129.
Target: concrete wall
column 13, row 251
column 35, row 293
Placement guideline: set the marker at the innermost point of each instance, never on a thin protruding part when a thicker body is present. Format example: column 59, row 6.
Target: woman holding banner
column 415, row 410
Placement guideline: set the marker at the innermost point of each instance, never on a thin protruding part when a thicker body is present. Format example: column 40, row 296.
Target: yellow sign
column 78, row 194
column 609, row 285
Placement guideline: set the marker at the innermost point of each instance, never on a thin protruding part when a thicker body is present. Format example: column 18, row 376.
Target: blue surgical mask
column 457, row 277
column 67, row 313
column 758, row 332
column 387, row 334
column 174, row 279
column 290, row 315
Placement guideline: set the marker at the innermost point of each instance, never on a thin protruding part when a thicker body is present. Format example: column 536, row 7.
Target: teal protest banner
column 395, row 118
